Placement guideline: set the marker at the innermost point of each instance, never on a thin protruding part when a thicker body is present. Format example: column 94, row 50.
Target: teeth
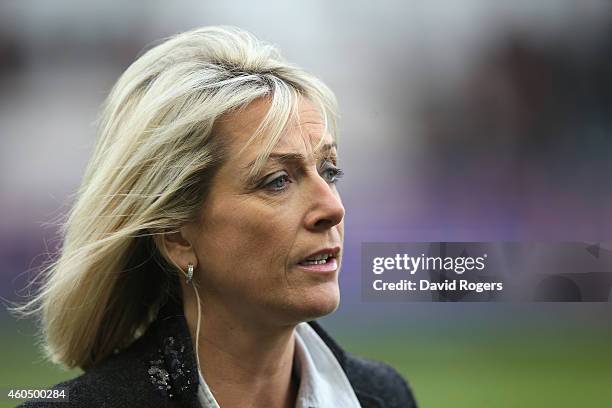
column 319, row 257
column 317, row 260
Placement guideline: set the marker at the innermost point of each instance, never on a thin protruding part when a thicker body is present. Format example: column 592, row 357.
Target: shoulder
column 90, row 389
column 157, row 370
column 376, row 384
column 375, row 380
column 120, row 381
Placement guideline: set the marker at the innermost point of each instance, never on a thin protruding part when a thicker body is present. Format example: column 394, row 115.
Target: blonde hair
column 156, row 154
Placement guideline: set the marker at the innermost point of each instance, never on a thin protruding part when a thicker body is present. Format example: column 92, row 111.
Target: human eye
column 330, row 172
column 276, row 182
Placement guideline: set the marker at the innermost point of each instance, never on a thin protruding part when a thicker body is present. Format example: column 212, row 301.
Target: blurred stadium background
column 462, row 120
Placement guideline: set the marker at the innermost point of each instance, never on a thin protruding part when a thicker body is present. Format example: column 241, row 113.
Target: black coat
column 160, row 370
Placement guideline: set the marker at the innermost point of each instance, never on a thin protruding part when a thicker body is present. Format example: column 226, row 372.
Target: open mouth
column 323, row 261
column 320, row 259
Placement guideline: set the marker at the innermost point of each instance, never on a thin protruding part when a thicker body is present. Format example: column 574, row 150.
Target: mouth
column 323, row 260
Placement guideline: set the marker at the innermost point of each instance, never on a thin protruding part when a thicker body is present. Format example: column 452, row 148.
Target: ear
column 177, row 248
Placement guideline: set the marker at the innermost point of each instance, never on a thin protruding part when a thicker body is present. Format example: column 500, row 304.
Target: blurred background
column 462, row 120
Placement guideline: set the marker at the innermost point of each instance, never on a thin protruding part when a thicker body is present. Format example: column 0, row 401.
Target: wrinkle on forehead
column 253, row 132
column 308, row 123
column 242, row 122
column 304, row 132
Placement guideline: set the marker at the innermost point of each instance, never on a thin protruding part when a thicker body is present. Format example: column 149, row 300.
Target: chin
column 318, row 302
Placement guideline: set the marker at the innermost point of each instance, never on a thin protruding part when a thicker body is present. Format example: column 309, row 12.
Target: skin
column 246, row 247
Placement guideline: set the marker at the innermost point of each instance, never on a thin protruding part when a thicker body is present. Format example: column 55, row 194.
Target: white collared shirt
column 322, row 381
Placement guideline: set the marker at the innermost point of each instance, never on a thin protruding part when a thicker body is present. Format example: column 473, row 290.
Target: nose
column 326, row 209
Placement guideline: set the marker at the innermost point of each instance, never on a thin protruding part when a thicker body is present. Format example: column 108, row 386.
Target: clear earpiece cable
column 198, row 326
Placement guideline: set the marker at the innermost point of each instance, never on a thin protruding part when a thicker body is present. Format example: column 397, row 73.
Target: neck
column 244, row 364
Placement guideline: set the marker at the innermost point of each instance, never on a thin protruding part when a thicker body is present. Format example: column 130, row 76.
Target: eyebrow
column 294, row 157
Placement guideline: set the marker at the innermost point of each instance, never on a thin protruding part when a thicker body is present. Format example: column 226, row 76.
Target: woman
column 207, row 230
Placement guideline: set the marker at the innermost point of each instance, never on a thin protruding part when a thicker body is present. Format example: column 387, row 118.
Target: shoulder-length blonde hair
column 156, row 153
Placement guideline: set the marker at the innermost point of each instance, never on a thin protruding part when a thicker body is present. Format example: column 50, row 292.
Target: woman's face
column 254, row 237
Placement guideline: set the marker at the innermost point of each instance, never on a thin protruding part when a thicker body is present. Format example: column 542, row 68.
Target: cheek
column 246, row 244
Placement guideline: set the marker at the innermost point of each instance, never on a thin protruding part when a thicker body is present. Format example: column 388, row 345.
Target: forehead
column 303, row 132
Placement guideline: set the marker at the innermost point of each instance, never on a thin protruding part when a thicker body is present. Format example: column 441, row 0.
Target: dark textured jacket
column 160, row 370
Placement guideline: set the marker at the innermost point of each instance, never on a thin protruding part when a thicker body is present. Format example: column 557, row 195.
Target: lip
column 330, row 266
